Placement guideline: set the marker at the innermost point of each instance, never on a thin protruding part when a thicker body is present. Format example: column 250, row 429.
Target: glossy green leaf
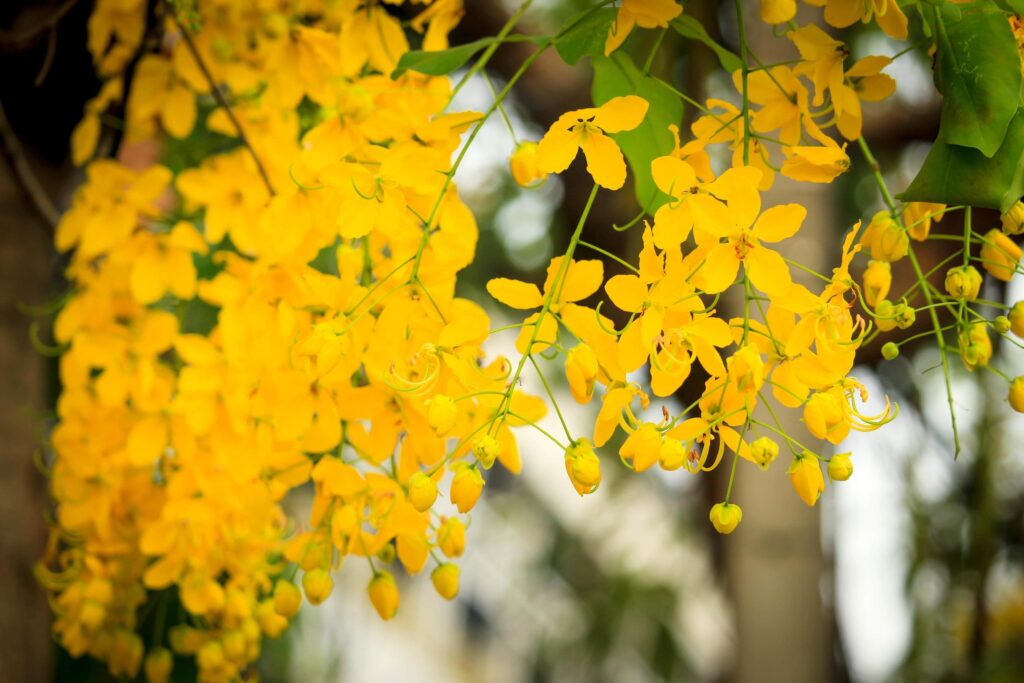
column 688, row 27
column 616, row 76
column 587, row 37
column 962, row 175
column 977, row 70
column 439, row 62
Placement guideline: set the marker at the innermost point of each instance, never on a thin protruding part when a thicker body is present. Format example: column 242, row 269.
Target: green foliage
column 688, row 27
column 962, row 175
column 616, row 76
column 439, row 62
column 977, row 70
column 586, row 38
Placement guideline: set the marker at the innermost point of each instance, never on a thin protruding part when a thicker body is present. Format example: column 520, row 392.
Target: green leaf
column 586, row 38
column 1011, row 6
column 977, row 70
column 439, row 62
column 963, row 175
column 688, row 27
column 616, row 76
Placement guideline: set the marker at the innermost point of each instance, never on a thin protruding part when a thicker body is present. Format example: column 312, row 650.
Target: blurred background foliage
column 915, row 573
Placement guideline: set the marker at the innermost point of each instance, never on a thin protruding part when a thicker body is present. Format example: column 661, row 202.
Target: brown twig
column 26, row 177
column 218, row 95
column 19, row 40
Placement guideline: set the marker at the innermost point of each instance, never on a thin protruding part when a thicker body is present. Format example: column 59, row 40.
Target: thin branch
column 218, row 95
column 18, row 40
column 26, row 177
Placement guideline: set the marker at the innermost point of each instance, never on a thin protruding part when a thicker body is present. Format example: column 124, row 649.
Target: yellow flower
column 451, row 537
column 672, row 454
column 777, row 11
column 317, row 584
column 999, row 255
column 422, row 491
column 740, row 222
column 1013, row 220
column 581, row 370
column 839, row 467
column 158, row 665
column 445, row 578
column 467, row 486
column 975, row 346
column 384, row 594
column 583, row 467
column 524, row 166
column 963, row 283
column 783, row 101
column 889, row 316
column 1016, row 395
column 822, row 57
column 441, row 414
column 886, row 13
column 725, row 517
column 815, row 164
column 642, row 447
column 486, row 449
column 918, row 217
column 287, row 598
column 886, row 239
column 588, row 129
column 877, row 281
column 805, row 475
column 1017, row 319
column 642, row 13
column 763, row 451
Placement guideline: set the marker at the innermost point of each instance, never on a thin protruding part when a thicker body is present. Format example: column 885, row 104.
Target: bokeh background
column 911, row 571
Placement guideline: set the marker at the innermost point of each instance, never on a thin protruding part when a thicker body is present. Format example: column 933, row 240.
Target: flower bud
column 999, row 255
column 583, row 466
column 234, row 646
column 890, row 351
column 725, row 517
column 581, row 369
column 210, row 656
column 840, row 467
column 805, row 475
column 963, row 283
column 442, row 414
column 1013, row 220
column 422, row 491
column 889, row 316
column 384, row 594
column 877, row 280
column 746, row 369
column 825, row 417
column 271, row 623
column 466, row 486
column 523, row 164
column 1001, row 324
column 91, row 615
column 885, row 237
column 486, row 449
column 446, row 580
column 764, row 451
column 158, row 665
column 287, row 598
column 317, row 584
column 975, row 346
column 918, row 217
column 1017, row 319
column 1016, row 397
column 641, row 448
column 671, row 454
column 451, row 537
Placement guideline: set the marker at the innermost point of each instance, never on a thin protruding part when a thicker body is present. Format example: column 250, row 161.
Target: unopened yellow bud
column 725, row 517
column 467, row 486
column 158, row 665
column 1001, row 324
column 889, row 316
column 446, row 580
column 975, row 346
column 764, row 451
column 746, row 369
column 805, row 475
column 210, row 656
column 271, row 623
column 1016, row 397
column 963, row 283
column 422, row 491
column 451, row 537
column 523, row 164
column 287, row 598
column 234, row 646
column 486, row 449
column 581, row 369
column 384, row 594
column 877, row 281
column 671, row 454
column 1017, row 319
column 583, row 466
column 840, row 467
column 886, row 239
column 642, row 447
column 91, row 615
column 1013, row 220
column 825, row 416
column 387, row 553
column 890, row 351
column 442, row 414
column 317, row 584
column 1000, row 255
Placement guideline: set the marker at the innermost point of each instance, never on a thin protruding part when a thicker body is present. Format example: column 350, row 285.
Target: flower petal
column 516, row 294
column 627, row 292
